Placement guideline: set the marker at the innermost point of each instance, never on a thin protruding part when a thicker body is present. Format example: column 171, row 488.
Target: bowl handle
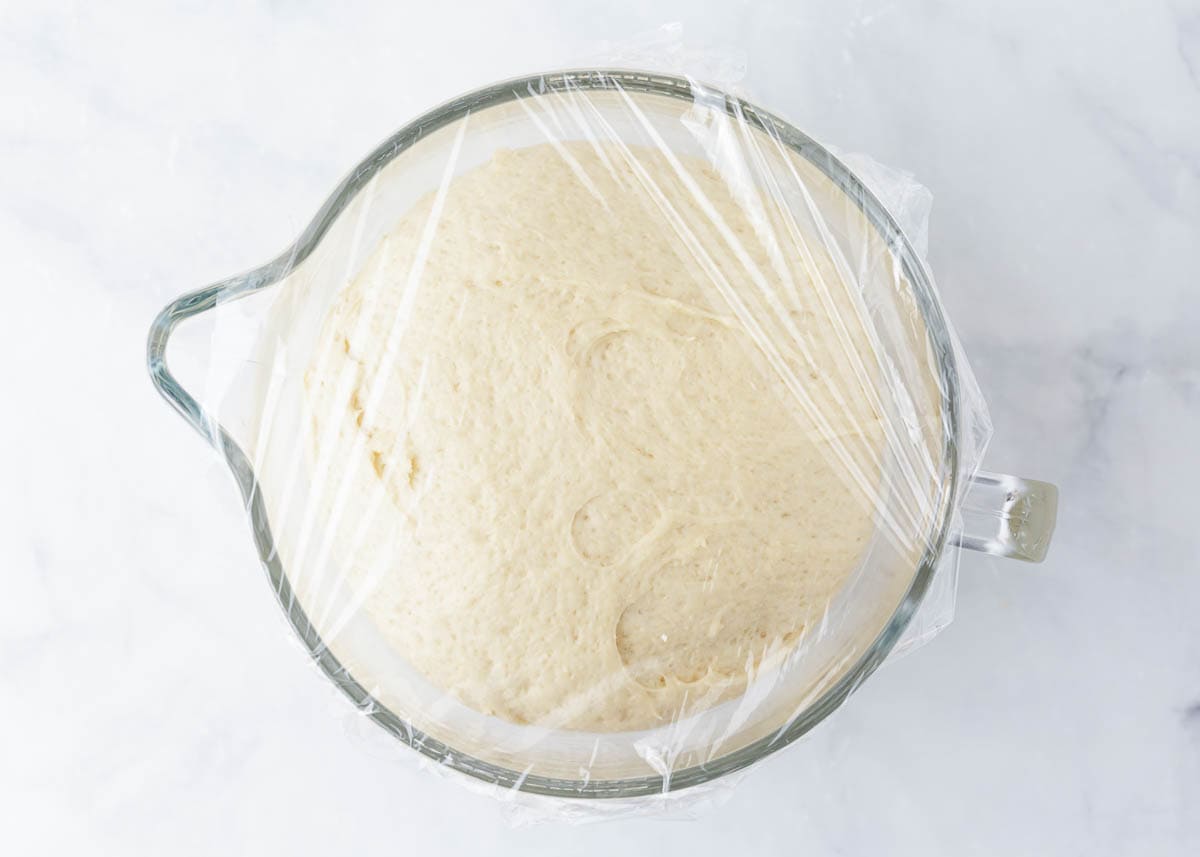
column 1008, row 516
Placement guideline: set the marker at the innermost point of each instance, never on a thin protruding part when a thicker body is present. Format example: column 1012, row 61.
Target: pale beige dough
column 613, row 493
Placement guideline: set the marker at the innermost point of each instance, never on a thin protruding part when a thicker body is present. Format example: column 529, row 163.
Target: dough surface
column 609, row 463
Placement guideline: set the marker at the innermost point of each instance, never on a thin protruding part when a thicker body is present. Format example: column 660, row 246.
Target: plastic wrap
column 599, row 436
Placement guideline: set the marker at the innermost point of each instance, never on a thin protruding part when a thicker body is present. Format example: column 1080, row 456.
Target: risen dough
column 614, row 491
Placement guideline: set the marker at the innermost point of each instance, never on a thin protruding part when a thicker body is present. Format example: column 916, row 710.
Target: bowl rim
column 265, row 276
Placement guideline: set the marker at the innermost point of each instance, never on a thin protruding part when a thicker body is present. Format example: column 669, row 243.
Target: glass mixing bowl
column 281, row 305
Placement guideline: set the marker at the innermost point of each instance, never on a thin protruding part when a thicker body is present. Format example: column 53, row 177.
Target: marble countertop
column 153, row 700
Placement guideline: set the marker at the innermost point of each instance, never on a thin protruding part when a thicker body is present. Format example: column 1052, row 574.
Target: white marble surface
column 151, row 699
